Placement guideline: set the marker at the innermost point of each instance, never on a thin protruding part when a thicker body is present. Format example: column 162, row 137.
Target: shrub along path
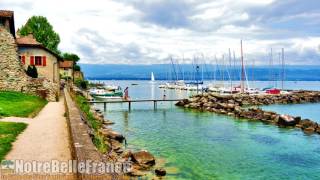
column 45, row 138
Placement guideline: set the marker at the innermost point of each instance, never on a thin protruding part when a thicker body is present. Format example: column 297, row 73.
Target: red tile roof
column 5, row 13
column 28, row 40
column 66, row 64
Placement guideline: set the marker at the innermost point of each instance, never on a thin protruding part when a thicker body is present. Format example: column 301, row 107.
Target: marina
column 211, row 145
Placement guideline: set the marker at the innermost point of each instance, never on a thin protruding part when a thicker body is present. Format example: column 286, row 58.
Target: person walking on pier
column 126, row 93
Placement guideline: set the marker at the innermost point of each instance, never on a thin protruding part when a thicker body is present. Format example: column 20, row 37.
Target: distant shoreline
column 146, row 79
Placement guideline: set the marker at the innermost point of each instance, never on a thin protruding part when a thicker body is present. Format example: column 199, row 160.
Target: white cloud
column 145, row 32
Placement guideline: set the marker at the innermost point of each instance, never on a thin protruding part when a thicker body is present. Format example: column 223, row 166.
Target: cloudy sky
column 150, row 31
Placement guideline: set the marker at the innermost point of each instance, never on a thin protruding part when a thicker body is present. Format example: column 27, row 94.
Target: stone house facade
column 32, row 52
column 12, row 74
column 66, row 68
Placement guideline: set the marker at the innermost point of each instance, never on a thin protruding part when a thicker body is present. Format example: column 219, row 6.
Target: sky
column 152, row 31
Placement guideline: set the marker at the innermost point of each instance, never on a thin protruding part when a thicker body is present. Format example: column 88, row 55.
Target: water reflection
column 126, row 121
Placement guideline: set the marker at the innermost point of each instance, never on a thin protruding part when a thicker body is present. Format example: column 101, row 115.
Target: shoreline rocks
column 236, row 106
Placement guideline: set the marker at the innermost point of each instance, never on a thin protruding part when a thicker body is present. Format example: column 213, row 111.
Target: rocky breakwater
column 143, row 162
column 238, row 105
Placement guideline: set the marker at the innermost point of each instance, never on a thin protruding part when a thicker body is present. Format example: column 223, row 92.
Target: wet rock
column 116, row 146
column 144, row 159
column 112, row 135
column 183, row 102
column 160, row 172
column 309, row 130
column 107, row 122
column 306, row 123
column 286, row 120
column 136, row 172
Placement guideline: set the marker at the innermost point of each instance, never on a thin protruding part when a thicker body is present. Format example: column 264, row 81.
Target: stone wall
column 13, row 76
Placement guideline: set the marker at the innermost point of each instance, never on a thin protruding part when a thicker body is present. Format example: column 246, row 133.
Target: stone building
column 12, row 74
column 34, row 53
column 66, row 69
column 7, row 21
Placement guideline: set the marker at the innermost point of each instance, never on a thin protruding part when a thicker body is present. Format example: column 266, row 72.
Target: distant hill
column 188, row 72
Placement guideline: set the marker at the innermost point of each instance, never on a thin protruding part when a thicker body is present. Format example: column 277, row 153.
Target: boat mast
column 222, row 67
column 253, row 66
column 282, row 84
column 242, row 70
column 174, row 69
column 230, row 69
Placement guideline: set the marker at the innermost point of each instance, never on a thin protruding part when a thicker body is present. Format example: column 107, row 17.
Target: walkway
column 45, row 138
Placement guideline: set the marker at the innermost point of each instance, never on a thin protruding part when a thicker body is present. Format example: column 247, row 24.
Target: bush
column 77, row 68
column 32, row 71
column 81, row 84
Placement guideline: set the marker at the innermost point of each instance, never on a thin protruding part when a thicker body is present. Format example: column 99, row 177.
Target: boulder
column 160, row 172
column 182, row 103
column 144, row 159
column 286, row 120
column 107, row 122
column 309, row 130
column 112, row 135
column 306, row 123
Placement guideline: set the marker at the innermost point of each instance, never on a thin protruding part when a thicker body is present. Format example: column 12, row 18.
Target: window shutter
column 23, row 59
column 31, row 60
column 44, row 60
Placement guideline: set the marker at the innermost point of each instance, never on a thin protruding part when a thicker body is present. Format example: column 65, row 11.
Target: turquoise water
column 202, row 145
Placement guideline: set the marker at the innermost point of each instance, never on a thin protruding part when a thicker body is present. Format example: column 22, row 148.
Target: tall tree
column 71, row 56
column 42, row 31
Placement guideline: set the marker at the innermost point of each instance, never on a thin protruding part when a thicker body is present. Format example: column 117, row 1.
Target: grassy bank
column 93, row 122
column 8, row 133
column 19, row 104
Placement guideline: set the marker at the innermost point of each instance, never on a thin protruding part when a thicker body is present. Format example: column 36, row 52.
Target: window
column 38, row 60
column 22, row 59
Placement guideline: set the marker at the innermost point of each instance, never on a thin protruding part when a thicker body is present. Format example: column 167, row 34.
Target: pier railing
column 155, row 101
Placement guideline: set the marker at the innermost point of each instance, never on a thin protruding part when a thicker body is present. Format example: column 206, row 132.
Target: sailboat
column 152, row 78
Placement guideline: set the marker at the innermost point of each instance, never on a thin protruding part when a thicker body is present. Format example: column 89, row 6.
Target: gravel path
column 45, row 138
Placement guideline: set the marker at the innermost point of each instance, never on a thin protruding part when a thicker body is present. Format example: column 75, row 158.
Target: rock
column 160, row 172
column 286, row 120
column 126, row 154
column 136, row 172
column 112, row 134
column 306, row 123
column 309, row 130
column 107, row 122
column 116, row 146
column 144, row 159
column 297, row 119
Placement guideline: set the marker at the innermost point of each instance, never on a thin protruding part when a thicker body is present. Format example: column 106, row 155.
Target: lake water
column 202, row 145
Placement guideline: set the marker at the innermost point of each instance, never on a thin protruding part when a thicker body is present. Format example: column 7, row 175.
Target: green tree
column 42, row 31
column 71, row 56
column 77, row 67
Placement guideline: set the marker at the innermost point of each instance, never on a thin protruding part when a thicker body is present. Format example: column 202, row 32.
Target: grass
column 98, row 139
column 19, row 104
column 8, row 133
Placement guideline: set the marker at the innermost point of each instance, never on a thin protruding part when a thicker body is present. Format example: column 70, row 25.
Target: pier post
column 155, row 105
column 129, row 105
column 105, row 106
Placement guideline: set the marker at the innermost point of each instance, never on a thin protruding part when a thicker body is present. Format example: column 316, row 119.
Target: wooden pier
column 155, row 101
